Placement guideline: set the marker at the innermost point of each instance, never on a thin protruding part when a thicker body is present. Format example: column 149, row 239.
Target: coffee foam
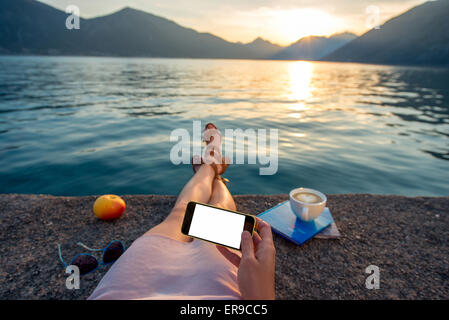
column 307, row 197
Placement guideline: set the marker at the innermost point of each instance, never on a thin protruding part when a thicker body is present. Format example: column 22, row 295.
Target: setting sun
column 291, row 25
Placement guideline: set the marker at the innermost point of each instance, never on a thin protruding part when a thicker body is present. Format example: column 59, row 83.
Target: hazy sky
column 280, row 21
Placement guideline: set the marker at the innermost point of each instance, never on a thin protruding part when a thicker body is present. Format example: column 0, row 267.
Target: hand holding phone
column 216, row 225
column 236, row 230
column 257, row 264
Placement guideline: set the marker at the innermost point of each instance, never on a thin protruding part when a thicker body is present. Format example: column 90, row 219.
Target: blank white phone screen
column 217, row 225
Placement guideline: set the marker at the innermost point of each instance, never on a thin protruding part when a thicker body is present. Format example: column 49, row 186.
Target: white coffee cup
column 307, row 211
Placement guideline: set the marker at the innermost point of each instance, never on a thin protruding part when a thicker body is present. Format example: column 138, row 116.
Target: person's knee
column 231, row 206
column 223, row 205
column 215, row 204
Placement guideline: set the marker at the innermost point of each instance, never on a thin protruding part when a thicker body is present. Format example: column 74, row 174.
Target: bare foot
column 209, row 126
column 213, row 154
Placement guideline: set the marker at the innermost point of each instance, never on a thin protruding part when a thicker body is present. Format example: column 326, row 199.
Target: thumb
column 247, row 245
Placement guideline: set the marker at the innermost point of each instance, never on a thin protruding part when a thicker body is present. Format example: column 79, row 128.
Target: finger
column 266, row 247
column 265, row 231
column 231, row 256
column 247, row 245
column 258, row 221
column 257, row 239
column 260, row 224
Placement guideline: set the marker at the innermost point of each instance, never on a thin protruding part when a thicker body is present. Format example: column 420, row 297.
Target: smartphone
column 216, row 225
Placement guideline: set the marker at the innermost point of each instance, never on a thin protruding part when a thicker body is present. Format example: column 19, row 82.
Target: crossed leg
column 221, row 197
column 202, row 187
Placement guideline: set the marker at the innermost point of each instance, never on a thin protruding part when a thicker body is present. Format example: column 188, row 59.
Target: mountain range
column 418, row 36
column 31, row 27
column 313, row 47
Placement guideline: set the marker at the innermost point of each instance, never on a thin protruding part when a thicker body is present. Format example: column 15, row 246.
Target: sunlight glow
column 298, row 23
column 300, row 73
column 285, row 26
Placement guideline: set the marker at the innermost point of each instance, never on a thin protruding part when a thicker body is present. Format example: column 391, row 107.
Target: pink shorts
column 158, row 267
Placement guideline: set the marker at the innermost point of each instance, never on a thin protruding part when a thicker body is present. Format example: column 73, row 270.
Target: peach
column 109, row 207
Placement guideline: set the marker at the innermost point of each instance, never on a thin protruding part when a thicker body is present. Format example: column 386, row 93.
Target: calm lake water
column 79, row 126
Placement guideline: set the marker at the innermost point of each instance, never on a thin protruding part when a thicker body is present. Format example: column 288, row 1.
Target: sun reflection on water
column 300, row 73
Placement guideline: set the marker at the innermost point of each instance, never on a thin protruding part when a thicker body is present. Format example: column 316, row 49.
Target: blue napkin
column 284, row 222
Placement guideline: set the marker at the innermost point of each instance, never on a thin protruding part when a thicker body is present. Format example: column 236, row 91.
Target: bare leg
column 199, row 188
column 221, row 197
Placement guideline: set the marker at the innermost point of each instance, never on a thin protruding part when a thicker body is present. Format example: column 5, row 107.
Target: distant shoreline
column 435, row 66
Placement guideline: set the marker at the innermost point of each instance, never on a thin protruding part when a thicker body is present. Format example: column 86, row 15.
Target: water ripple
column 97, row 125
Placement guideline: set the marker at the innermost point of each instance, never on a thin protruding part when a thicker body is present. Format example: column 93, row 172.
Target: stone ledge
column 407, row 238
